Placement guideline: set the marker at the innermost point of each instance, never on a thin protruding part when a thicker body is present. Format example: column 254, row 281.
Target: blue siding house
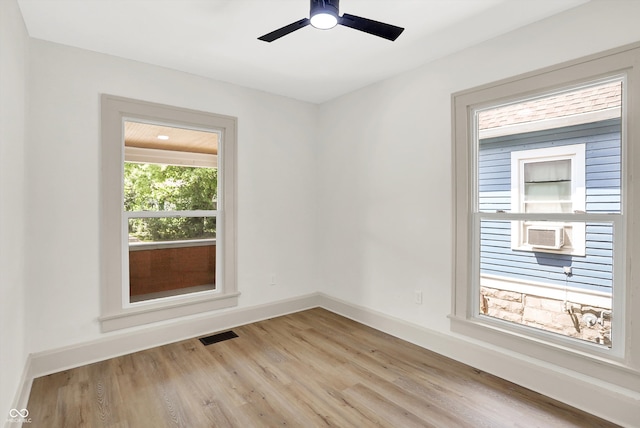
column 591, row 270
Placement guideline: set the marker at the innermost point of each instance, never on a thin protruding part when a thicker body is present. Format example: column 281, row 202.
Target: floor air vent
column 219, row 337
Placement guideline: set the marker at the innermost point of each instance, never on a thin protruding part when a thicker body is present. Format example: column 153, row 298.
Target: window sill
column 150, row 312
column 585, row 358
column 569, row 251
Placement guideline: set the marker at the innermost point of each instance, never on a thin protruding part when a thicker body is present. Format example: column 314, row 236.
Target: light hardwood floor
column 309, row 369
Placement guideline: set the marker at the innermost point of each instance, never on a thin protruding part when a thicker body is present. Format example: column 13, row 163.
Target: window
column 170, row 210
column 548, row 180
column 168, row 230
column 542, row 200
column 564, row 283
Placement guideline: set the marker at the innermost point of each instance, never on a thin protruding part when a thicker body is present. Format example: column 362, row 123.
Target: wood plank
column 313, row 368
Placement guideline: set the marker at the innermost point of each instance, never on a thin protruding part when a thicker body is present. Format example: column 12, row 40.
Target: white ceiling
column 218, row 38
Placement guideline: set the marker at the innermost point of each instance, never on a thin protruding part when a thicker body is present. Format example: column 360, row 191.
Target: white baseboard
column 22, row 394
column 615, row 404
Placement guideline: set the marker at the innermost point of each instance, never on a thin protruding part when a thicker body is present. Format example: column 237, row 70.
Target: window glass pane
column 558, row 293
column 157, row 271
column 589, row 116
column 548, row 191
column 164, row 229
column 537, row 172
column 153, row 187
column 176, row 256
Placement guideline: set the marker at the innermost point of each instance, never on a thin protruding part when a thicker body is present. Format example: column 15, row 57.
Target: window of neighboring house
column 548, row 180
column 542, row 199
column 168, row 229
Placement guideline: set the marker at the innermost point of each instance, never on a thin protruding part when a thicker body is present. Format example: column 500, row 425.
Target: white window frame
column 621, row 363
column 116, row 311
column 575, row 153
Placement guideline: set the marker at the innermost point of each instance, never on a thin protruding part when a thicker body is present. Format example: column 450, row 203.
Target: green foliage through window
column 153, row 187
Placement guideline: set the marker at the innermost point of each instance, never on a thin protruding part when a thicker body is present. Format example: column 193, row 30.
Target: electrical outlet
column 417, row 297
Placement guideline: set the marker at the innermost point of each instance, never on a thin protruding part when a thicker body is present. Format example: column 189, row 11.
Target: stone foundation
column 572, row 319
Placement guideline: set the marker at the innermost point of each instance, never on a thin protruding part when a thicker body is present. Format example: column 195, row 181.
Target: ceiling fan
column 325, row 15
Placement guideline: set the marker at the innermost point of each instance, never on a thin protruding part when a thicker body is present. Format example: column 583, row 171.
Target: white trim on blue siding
column 575, row 242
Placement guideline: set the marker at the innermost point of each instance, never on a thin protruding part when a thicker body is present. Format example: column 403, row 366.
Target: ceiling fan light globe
column 324, row 20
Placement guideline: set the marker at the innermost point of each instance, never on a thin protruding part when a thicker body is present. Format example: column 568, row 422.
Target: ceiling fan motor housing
column 324, row 14
column 325, row 6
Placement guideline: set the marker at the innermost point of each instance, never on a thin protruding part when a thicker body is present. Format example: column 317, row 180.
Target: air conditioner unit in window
column 549, row 237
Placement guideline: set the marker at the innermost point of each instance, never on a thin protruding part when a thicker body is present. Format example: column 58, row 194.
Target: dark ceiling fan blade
column 274, row 35
column 380, row 29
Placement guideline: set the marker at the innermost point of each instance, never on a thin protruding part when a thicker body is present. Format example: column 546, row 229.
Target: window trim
column 608, row 367
column 577, row 154
column 115, row 314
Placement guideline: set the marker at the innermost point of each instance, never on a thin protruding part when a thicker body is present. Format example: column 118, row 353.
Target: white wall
column 386, row 161
column 386, row 157
column 13, row 90
column 276, row 209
